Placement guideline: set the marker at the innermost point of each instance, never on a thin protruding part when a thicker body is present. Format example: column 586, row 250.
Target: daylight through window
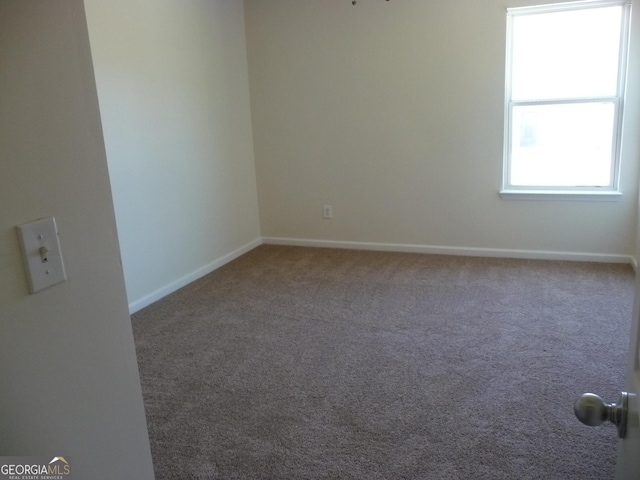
column 564, row 95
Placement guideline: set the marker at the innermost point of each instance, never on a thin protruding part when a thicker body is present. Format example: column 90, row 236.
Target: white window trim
column 609, row 193
column 556, row 194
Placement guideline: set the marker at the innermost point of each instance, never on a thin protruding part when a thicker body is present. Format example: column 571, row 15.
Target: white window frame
column 607, row 193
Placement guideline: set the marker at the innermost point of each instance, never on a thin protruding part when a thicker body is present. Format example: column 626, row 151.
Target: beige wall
column 70, row 381
column 392, row 112
column 174, row 98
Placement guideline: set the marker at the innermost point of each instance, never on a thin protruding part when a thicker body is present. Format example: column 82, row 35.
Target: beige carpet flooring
column 304, row 363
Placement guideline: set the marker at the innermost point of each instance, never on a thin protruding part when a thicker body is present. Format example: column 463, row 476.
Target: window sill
column 562, row 195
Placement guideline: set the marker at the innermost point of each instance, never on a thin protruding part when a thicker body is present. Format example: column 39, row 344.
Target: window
column 565, row 76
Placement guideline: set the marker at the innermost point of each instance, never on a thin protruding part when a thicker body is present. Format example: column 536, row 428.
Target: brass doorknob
column 593, row 410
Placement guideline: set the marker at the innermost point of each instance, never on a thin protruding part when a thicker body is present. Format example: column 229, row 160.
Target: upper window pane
column 576, row 56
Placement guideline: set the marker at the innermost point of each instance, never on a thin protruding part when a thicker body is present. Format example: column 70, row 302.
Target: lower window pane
column 565, row 145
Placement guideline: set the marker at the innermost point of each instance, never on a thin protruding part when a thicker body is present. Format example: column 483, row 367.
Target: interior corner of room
column 230, row 125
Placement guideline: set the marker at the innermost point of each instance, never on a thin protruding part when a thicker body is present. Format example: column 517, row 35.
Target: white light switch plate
column 41, row 253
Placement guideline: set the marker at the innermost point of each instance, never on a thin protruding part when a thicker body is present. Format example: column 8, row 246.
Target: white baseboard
column 383, row 247
column 462, row 251
column 140, row 303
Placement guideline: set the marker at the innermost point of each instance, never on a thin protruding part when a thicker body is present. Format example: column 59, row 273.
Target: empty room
column 368, row 239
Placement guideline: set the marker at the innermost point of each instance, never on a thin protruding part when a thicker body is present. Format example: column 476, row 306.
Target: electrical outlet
column 326, row 212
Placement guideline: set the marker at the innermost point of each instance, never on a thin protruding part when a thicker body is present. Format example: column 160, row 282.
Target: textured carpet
column 302, row 363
